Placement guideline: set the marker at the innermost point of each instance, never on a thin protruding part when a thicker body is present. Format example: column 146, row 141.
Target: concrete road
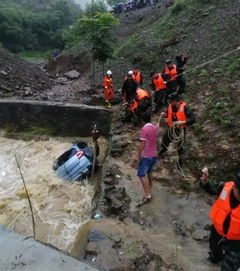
column 18, row 253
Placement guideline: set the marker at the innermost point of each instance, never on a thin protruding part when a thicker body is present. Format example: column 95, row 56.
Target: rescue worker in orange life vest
column 175, row 71
column 137, row 76
column 140, row 105
column 108, row 88
column 224, row 241
column 178, row 116
column 161, row 89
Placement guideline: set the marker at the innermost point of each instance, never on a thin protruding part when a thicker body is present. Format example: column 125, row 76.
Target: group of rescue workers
column 168, row 85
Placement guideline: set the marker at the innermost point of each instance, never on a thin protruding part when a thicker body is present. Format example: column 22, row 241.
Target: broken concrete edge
column 29, row 254
column 54, row 118
column 13, row 101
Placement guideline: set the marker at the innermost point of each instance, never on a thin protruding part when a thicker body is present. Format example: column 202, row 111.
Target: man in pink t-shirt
column 147, row 155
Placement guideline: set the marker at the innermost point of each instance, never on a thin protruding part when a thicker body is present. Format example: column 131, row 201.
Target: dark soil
column 20, row 78
column 77, row 59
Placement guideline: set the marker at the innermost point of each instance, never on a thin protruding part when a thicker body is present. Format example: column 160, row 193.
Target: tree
column 37, row 26
column 97, row 6
column 98, row 32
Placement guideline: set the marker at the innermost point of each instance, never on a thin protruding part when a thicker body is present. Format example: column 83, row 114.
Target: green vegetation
column 30, row 25
column 32, row 56
column 185, row 186
column 133, row 250
column 231, row 65
column 223, row 113
column 178, row 6
column 94, row 8
column 37, row 130
column 155, row 37
column 98, row 32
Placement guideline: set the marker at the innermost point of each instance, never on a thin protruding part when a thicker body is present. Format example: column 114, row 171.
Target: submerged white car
column 75, row 164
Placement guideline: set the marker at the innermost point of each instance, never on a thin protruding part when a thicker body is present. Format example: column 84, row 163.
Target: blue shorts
column 146, row 166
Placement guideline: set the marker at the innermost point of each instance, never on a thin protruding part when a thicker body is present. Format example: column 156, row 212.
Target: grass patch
column 37, row 130
column 133, row 251
column 231, row 65
column 185, row 186
column 223, row 91
column 177, row 7
column 33, row 56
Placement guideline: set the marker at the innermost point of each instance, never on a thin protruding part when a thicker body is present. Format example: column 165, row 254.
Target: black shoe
column 213, row 259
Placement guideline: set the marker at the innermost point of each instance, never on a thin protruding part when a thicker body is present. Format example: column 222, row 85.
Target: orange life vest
column 180, row 114
column 221, row 210
column 159, row 83
column 137, row 76
column 141, row 94
column 172, row 72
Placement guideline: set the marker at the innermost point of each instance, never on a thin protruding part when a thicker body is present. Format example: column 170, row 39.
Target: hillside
column 35, row 5
column 35, row 25
column 204, row 30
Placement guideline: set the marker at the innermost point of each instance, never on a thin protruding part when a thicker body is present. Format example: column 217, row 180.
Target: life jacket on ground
column 221, row 210
column 179, row 115
column 141, row 94
column 172, row 72
column 137, row 76
column 159, row 83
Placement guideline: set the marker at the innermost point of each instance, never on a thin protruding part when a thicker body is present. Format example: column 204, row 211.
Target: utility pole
column 93, row 42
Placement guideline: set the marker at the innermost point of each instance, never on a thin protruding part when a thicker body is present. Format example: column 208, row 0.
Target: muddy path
column 169, row 233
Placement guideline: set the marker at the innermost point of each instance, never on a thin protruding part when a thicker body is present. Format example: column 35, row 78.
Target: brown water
column 60, row 208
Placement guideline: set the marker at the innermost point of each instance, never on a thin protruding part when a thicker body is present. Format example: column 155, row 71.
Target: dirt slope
column 204, row 30
column 20, row 78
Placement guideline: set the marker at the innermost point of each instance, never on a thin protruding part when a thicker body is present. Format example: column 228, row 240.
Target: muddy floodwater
column 60, row 208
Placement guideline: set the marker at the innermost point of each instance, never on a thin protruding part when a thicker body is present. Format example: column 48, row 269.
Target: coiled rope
column 177, row 136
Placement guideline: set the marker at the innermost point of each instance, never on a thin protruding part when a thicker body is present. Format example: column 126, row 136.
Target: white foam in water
column 59, row 208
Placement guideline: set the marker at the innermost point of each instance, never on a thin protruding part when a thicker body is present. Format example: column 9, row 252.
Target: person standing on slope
column 147, row 155
column 179, row 117
column 129, row 88
column 175, row 72
column 108, row 88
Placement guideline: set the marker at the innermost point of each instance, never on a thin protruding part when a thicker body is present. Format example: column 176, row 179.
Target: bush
column 177, row 7
column 25, row 29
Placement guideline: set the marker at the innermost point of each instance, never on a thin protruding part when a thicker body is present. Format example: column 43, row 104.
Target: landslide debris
column 78, row 59
column 20, row 78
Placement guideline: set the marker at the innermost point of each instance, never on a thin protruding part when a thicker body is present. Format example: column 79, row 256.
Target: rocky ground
column 19, row 78
column 169, row 233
